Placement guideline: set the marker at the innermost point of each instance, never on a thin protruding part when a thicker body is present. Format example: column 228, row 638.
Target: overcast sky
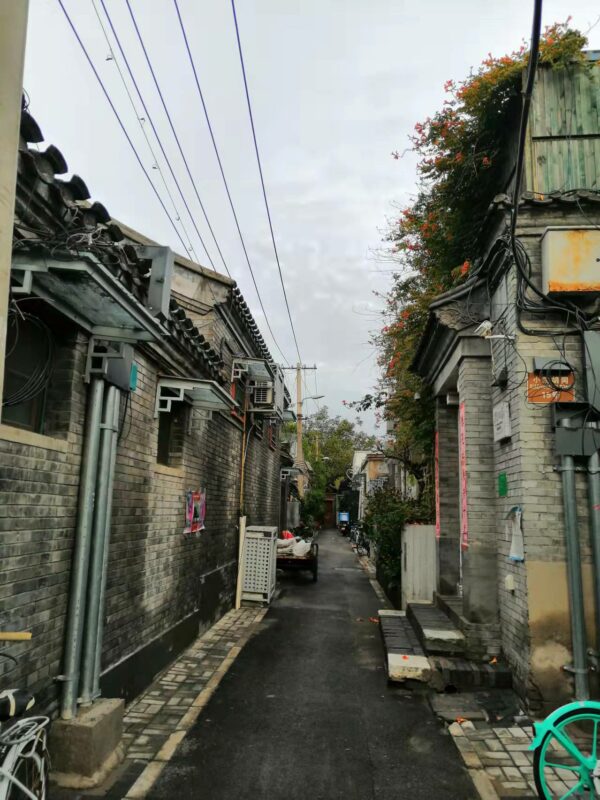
column 336, row 86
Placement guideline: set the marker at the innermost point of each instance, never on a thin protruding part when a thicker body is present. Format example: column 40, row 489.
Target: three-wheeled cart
column 309, row 562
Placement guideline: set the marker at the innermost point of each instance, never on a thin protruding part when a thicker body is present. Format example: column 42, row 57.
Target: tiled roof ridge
column 56, row 211
column 567, row 197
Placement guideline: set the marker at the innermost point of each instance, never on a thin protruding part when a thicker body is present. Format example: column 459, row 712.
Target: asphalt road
column 305, row 711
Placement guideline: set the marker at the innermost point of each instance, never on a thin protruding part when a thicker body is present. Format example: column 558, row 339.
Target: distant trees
column 329, row 444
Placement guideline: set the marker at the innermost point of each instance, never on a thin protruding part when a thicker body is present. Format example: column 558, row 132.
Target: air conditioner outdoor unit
column 262, row 397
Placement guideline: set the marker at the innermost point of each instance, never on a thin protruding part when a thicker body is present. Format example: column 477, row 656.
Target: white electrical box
column 260, row 563
column 570, row 260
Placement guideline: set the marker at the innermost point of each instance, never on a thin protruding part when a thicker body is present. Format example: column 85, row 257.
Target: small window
column 171, row 435
column 29, row 366
column 259, row 427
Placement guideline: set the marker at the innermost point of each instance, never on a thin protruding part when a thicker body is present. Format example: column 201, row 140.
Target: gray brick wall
column 155, row 573
column 38, row 508
column 449, row 541
column 528, row 460
column 479, row 559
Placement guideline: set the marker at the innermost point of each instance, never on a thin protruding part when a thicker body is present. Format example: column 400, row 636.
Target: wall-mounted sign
column 502, row 484
column 502, row 424
column 462, row 459
column 540, row 391
column 195, row 511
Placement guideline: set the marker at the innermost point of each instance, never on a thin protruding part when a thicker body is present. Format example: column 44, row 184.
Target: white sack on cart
column 301, row 548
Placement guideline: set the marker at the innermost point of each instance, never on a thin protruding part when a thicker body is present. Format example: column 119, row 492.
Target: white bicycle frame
column 26, row 747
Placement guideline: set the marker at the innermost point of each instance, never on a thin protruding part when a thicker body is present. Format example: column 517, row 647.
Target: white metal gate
column 419, row 564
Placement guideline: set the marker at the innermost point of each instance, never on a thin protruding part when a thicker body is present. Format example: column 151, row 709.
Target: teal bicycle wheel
column 560, row 775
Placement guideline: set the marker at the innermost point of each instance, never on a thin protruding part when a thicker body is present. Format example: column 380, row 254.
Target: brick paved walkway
column 159, row 719
column 503, row 756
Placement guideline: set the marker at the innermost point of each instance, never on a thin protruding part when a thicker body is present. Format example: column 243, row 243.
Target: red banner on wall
column 462, row 457
column 437, row 485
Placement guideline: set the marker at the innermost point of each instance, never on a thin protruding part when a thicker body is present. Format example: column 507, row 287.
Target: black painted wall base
column 130, row 677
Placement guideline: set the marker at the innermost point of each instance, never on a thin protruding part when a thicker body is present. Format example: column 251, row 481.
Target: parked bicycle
column 23, row 753
column 566, row 755
column 363, row 546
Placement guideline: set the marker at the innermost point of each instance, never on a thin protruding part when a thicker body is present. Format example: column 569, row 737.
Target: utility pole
column 13, row 31
column 299, row 448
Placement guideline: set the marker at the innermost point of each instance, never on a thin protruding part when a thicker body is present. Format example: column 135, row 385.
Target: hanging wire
column 41, row 374
column 262, row 181
column 174, row 131
column 225, row 183
column 120, row 121
column 189, row 249
column 148, row 116
column 172, row 126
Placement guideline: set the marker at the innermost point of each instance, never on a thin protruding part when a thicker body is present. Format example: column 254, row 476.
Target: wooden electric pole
column 299, row 445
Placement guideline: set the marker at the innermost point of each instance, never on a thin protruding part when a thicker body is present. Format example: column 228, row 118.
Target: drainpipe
column 109, row 505
column 81, row 557
column 103, row 484
column 575, row 583
column 594, row 499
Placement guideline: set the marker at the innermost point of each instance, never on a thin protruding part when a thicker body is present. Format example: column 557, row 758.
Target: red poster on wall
column 462, row 458
column 195, row 511
column 437, row 485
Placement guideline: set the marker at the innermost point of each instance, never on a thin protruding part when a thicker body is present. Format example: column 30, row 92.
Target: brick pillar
column 479, row 559
column 449, row 517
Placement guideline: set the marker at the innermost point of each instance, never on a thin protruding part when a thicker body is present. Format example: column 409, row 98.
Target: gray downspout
column 594, row 499
column 97, row 548
column 83, row 534
column 109, row 505
column 575, row 583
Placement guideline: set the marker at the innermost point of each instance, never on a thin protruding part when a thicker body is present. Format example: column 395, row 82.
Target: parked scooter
column 345, row 528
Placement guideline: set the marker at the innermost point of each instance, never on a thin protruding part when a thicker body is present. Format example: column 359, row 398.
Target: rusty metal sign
column 540, row 391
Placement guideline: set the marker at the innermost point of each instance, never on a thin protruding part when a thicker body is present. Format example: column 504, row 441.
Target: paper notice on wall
column 462, row 459
column 514, row 531
column 437, row 486
column 195, row 511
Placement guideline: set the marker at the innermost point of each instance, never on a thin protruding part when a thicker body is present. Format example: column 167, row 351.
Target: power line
column 189, row 249
column 154, row 130
column 120, row 121
column 172, row 126
column 216, row 149
column 262, row 181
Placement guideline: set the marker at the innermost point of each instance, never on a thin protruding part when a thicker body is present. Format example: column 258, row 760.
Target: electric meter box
column 570, row 260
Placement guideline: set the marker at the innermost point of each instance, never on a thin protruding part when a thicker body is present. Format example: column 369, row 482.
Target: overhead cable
column 189, row 249
column 174, row 132
column 154, row 130
column 217, row 154
column 262, row 181
column 120, row 121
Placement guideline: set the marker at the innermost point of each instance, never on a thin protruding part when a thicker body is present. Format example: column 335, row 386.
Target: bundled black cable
column 41, row 373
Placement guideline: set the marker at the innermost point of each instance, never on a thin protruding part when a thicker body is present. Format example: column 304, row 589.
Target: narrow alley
column 305, row 710
column 299, row 400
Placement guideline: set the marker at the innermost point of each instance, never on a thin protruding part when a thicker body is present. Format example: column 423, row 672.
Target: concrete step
column 406, row 660
column 435, row 630
column 404, row 656
column 463, row 675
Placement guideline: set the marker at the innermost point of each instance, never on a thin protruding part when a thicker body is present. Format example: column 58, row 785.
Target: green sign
column 502, row 484
column 133, row 377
